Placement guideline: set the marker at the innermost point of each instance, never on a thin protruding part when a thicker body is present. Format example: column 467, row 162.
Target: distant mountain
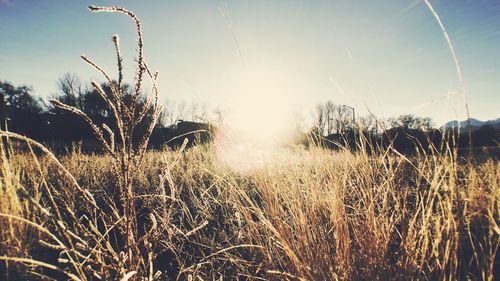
column 474, row 123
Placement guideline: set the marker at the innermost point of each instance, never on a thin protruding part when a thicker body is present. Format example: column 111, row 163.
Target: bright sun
column 258, row 119
column 261, row 112
column 262, row 115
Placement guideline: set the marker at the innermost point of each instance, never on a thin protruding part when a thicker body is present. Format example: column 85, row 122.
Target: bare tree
column 203, row 113
column 181, row 112
column 368, row 124
column 319, row 119
column 71, row 88
column 176, row 110
column 168, row 116
column 193, row 111
column 330, row 117
column 342, row 118
column 410, row 121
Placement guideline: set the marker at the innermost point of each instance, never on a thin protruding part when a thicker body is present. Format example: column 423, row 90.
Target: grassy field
column 304, row 215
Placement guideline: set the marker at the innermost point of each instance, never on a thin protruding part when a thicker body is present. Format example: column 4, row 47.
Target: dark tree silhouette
column 410, row 121
column 333, row 125
column 22, row 110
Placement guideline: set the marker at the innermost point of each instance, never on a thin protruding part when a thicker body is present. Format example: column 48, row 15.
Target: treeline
column 32, row 116
column 333, row 125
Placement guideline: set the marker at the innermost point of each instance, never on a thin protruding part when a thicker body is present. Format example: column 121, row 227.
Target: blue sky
column 386, row 56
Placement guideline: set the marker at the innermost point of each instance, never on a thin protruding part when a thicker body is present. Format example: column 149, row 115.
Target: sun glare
column 260, row 111
column 258, row 120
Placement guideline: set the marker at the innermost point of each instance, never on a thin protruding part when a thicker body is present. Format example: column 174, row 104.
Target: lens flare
column 258, row 122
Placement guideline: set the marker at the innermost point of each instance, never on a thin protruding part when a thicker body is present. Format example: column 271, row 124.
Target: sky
column 270, row 58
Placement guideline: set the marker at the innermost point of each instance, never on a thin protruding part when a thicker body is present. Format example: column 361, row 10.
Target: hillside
column 474, row 123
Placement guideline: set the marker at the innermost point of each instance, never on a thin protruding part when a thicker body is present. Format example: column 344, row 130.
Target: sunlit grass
column 235, row 210
column 310, row 214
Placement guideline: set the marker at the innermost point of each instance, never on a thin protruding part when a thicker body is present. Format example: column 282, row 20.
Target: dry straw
column 84, row 243
column 310, row 214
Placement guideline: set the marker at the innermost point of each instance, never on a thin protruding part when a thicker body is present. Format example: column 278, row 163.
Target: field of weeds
column 304, row 215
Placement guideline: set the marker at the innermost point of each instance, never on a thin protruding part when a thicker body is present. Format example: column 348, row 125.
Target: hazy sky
column 387, row 55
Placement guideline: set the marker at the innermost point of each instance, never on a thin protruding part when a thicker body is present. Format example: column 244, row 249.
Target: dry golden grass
column 307, row 214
